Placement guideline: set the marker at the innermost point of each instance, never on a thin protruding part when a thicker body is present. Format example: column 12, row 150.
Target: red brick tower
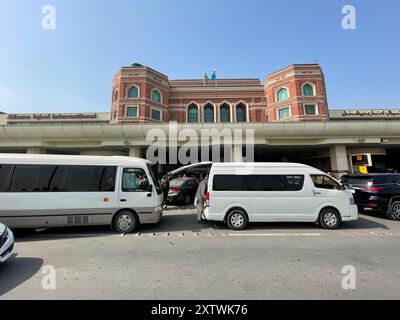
column 296, row 93
column 139, row 94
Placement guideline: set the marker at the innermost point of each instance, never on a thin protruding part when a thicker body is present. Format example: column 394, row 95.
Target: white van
column 239, row 193
column 58, row 190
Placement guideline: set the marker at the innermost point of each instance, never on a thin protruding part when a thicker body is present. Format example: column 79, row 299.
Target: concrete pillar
column 338, row 156
column 135, row 152
column 36, row 150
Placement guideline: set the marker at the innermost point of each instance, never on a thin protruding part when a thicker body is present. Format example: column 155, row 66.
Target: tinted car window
column 6, row 172
column 84, row 178
column 258, row 182
column 176, row 183
column 108, row 179
column 293, row 183
column 59, row 179
column 24, row 178
column 44, row 178
column 386, row 179
column 357, row 180
column 229, row 183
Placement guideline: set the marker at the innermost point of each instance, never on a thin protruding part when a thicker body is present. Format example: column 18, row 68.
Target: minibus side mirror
column 343, row 187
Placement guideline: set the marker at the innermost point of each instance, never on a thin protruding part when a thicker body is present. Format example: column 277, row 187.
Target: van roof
column 70, row 159
column 261, row 164
column 280, row 165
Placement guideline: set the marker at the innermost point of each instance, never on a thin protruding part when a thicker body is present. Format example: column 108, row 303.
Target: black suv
column 377, row 191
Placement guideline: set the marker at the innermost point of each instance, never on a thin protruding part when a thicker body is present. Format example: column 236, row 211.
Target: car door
column 135, row 190
column 328, row 192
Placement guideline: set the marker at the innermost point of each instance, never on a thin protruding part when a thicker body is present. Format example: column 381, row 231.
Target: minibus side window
column 134, row 180
column 108, row 179
column 25, row 178
column 58, row 180
column 325, row 182
column 6, row 171
column 84, row 178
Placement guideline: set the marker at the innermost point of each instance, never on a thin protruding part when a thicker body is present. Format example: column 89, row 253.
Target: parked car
column 377, row 191
column 239, row 193
column 182, row 190
column 6, row 243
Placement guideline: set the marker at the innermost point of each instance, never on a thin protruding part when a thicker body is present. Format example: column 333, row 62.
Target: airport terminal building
column 288, row 114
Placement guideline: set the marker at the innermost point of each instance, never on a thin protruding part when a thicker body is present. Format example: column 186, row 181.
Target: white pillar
column 338, row 156
column 36, row 150
column 236, row 153
column 135, row 152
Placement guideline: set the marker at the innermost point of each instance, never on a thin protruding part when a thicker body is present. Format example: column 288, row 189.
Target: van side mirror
column 150, row 188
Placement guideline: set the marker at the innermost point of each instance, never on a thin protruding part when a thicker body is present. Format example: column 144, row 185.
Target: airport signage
column 51, row 117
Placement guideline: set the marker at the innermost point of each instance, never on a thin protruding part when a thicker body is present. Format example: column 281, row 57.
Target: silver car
column 6, row 243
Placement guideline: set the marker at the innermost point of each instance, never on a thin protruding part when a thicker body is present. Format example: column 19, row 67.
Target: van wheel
column 237, row 219
column 125, row 222
column 395, row 211
column 329, row 218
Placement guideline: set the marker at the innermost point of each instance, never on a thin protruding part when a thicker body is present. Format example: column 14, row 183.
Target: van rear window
column 226, row 182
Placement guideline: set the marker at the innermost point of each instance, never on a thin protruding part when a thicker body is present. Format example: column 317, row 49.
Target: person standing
column 165, row 189
column 200, row 199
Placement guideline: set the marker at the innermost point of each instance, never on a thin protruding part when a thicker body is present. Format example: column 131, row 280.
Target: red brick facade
column 301, row 89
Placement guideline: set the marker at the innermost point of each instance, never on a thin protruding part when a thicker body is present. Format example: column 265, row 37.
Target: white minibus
column 58, row 190
column 239, row 193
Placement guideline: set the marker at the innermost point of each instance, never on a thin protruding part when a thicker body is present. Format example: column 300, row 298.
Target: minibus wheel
column 395, row 210
column 125, row 221
column 237, row 219
column 329, row 218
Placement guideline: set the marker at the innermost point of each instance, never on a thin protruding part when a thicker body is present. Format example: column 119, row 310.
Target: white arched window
column 193, row 113
column 133, row 92
column 308, row 90
column 241, row 114
column 208, row 113
column 283, row 94
column 225, row 113
column 156, row 95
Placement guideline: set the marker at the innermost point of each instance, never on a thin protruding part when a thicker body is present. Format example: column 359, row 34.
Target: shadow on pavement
column 15, row 271
column 184, row 219
column 363, row 223
column 360, row 224
column 21, row 235
column 175, row 223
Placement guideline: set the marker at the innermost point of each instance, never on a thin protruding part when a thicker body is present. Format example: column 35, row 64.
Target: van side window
column 6, row 171
column 134, row 180
column 258, row 182
column 325, row 182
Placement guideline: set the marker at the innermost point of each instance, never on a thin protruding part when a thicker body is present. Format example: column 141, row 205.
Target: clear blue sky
column 70, row 69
